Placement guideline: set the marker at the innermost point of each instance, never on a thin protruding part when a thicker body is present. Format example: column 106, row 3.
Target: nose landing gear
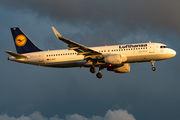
column 152, row 64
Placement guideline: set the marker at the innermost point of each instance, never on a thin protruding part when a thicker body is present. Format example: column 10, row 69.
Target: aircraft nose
column 172, row 52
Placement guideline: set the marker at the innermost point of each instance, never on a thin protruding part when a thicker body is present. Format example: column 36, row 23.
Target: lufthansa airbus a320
column 115, row 58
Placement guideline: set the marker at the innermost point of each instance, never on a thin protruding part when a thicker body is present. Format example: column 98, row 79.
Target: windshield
column 163, row 46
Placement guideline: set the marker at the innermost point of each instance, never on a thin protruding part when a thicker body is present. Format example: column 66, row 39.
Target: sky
column 38, row 93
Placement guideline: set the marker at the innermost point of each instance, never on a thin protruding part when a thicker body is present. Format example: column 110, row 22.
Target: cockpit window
column 163, row 46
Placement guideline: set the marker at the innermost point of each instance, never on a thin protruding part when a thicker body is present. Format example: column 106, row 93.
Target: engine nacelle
column 125, row 68
column 114, row 59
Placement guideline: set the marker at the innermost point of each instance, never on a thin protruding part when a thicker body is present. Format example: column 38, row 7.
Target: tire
column 99, row 75
column 153, row 69
column 92, row 70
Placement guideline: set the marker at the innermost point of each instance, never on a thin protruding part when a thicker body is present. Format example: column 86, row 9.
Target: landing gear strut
column 99, row 75
column 152, row 64
column 92, row 69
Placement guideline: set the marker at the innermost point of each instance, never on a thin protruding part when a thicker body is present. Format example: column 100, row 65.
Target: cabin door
column 151, row 48
column 41, row 57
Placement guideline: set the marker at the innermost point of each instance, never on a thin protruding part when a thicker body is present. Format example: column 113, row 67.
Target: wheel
column 99, row 75
column 92, row 70
column 153, row 69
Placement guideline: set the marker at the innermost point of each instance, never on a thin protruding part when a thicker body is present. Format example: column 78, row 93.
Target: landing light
column 109, row 65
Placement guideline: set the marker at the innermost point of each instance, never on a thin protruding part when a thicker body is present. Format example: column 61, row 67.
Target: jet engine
column 114, row 59
column 125, row 68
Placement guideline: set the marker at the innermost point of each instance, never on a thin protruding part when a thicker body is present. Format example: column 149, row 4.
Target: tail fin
column 22, row 42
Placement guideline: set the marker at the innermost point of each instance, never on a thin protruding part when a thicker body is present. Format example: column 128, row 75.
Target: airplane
column 115, row 58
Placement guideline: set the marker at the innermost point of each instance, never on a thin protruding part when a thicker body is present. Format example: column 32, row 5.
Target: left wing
column 82, row 50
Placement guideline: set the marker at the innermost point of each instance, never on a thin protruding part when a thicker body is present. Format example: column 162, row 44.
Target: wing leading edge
column 81, row 49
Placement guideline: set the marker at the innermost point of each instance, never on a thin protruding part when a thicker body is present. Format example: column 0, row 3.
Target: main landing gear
column 152, row 64
column 92, row 70
column 98, row 75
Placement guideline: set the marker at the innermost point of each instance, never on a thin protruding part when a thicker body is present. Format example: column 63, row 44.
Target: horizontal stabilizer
column 16, row 55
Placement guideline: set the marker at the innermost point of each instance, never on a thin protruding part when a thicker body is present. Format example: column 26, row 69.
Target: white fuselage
column 141, row 52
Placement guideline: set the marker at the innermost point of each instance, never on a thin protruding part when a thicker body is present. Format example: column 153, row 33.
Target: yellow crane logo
column 20, row 40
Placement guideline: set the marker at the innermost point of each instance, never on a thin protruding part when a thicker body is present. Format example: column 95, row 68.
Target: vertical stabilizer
column 22, row 42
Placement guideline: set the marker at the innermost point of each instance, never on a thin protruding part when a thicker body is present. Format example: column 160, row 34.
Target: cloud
column 103, row 22
column 118, row 115
column 132, row 14
column 110, row 115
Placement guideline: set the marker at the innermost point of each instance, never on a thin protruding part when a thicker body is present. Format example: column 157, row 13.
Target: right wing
column 82, row 50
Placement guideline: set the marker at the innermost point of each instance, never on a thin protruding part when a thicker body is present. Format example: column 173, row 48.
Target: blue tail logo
column 22, row 42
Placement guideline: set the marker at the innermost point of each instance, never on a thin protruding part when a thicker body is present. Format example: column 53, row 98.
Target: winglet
column 58, row 35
